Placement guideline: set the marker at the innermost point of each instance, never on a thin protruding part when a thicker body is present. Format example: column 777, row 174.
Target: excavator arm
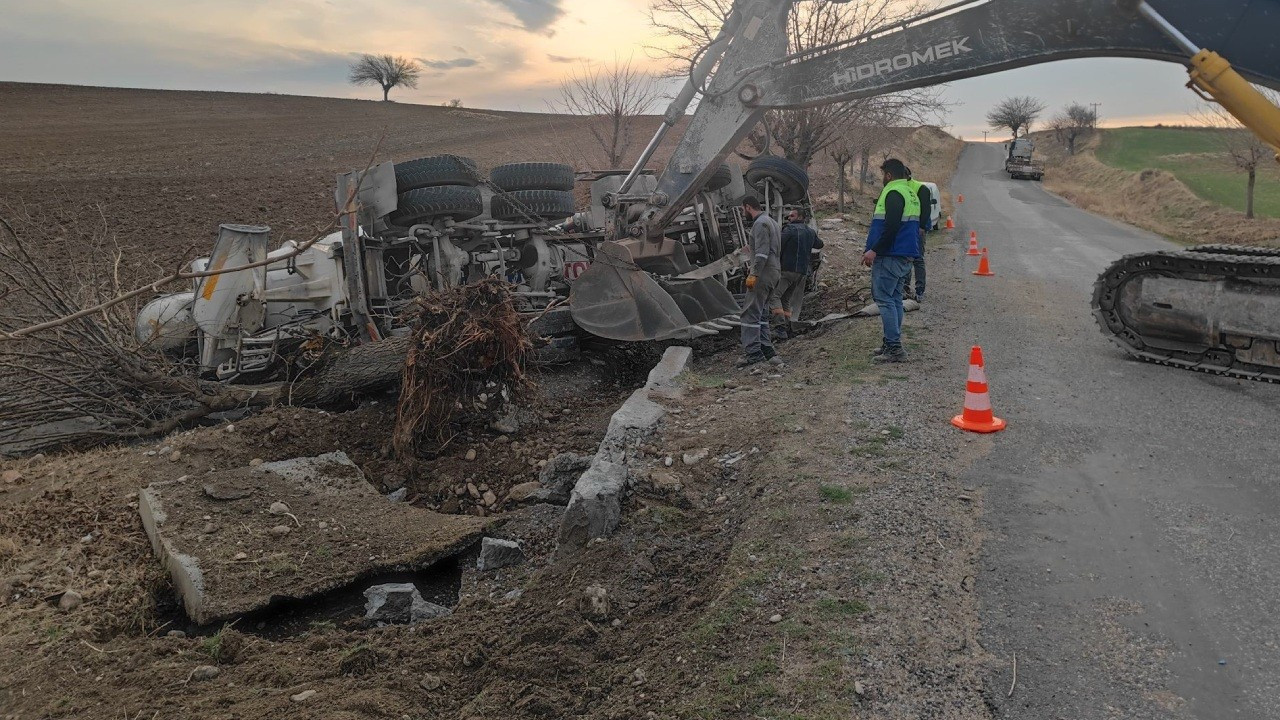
column 747, row 71
column 977, row 37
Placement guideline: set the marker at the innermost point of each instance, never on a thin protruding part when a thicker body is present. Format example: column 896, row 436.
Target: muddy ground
column 827, row 573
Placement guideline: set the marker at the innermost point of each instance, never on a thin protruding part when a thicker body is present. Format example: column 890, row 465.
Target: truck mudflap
column 629, row 298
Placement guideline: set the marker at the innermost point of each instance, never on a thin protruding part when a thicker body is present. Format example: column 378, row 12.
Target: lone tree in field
column 1074, row 121
column 387, row 71
column 1245, row 150
column 802, row 136
column 613, row 97
column 1015, row 114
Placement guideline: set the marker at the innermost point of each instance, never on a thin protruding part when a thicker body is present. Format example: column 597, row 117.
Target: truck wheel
column 435, row 171
column 791, row 179
column 720, row 178
column 422, row 205
column 532, row 176
column 522, row 206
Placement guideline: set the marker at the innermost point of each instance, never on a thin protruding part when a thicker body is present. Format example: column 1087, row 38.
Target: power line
column 1095, row 114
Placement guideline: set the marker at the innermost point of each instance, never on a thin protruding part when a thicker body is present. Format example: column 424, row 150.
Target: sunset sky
column 503, row 54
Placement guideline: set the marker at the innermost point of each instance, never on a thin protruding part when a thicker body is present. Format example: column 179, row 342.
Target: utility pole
column 1095, row 114
column 984, row 136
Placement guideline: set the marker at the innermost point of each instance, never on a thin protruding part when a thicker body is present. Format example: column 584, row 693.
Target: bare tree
column 454, row 103
column 1072, row 122
column 386, row 71
column 1245, row 149
column 1015, row 114
column 613, row 97
column 866, row 136
column 842, row 153
column 802, row 135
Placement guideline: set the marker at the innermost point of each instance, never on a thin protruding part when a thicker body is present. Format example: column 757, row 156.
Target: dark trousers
column 918, row 266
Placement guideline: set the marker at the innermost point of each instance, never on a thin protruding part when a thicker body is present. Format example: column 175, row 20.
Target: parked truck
column 1020, row 165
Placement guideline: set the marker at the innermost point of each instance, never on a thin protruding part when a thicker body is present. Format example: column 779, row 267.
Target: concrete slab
column 237, row 541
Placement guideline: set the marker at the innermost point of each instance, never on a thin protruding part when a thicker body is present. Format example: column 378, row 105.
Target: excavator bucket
column 619, row 298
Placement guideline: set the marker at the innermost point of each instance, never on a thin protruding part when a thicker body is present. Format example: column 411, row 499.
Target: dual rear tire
column 444, row 186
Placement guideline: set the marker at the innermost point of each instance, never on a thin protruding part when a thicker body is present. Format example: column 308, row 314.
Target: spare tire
column 523, row 206
column 532, row 176
column 424, row 205
column 791, row 179
column 720, row 178
column 435, row 171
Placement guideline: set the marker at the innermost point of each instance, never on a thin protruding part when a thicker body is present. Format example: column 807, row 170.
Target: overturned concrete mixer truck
column 438, row 222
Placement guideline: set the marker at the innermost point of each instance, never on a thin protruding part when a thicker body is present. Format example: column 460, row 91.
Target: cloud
column 462, row 62
column 564, row 58
column 534, row 15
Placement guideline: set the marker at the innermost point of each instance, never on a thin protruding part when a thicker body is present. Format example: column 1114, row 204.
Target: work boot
column 920, row 297
column 777, row 361
column 750, row 360
column 891, row 354
column 880, row 350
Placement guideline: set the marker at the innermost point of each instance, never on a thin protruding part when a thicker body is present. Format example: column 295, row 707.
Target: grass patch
column 700, row 380
column 667, row 516
column 1197, row 157
column 835, row 608
column 835, row 493
column 871, row 448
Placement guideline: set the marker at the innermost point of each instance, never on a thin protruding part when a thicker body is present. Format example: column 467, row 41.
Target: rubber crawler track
column 1206, row 261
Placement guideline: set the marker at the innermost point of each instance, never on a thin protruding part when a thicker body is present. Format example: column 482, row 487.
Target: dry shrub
column 85, row 380
column 463, row 340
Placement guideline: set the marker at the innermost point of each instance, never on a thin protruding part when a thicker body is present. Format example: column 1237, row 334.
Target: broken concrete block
column 663, row 376
column 561, row 474
column 495, row 553
column 399, row 604
column 312, row 558
column 595, row 509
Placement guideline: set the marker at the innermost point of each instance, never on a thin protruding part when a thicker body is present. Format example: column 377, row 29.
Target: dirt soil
column 160, row 170
column 1152, row 199
column 818, row 562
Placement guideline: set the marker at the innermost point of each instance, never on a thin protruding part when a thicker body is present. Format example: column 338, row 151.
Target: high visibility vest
column 907, row 242
column 926, row 213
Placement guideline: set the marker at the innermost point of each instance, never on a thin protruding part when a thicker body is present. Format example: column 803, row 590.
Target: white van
column 935, row 212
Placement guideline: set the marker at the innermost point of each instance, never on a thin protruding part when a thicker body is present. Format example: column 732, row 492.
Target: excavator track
column 1212, row 308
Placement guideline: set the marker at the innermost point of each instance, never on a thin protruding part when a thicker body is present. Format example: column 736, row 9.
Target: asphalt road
column 1133, row 556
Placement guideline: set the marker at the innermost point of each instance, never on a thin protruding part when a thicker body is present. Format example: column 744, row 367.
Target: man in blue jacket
column 893, row 242
column 798, row 243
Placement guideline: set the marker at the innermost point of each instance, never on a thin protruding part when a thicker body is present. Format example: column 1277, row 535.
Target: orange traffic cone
column 977, row 415
column 951, row 224
column 973, row 244
column 984, row 266
column 960, row 199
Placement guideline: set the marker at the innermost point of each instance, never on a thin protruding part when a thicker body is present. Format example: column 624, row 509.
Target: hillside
column 1171, row 181
column 1198, row 158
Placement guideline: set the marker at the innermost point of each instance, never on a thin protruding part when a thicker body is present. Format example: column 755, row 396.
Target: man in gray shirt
column 762, row 286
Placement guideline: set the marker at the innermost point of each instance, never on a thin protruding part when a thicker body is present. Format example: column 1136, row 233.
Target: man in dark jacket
column 926, row 224
column 798, row 243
